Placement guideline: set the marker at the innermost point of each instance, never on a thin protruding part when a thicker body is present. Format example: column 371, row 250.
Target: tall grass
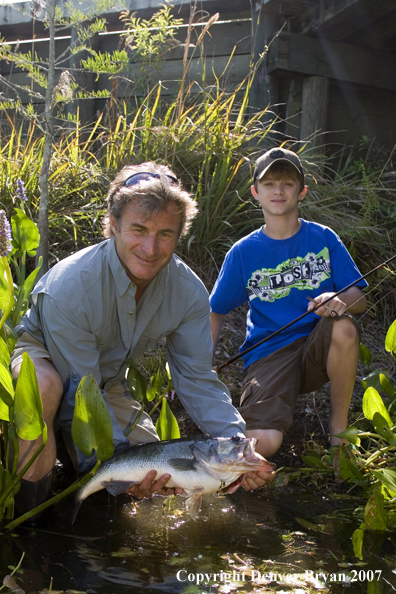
column 211, row 140
column 357, row 201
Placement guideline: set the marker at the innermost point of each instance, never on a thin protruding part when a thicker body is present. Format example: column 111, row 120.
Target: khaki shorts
column 124, row 406
column 272, row 384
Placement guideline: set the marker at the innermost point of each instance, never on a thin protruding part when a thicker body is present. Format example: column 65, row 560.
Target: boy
column 277, row 268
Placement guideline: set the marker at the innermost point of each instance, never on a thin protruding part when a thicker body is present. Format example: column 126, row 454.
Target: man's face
column 145, row 244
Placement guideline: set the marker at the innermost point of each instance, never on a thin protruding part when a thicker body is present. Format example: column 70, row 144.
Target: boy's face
column 279, row 196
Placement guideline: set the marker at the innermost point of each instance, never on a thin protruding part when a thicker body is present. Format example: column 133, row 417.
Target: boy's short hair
column 153, row 193
column 281, row 161
column 281, row 171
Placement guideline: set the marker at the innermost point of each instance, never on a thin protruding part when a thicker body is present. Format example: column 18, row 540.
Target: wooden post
column 315, row 95
column 265, row 87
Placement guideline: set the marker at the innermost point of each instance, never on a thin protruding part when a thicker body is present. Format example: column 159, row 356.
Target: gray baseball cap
column 275, row 155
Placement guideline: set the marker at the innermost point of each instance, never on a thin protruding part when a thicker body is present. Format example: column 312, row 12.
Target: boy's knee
column 269, row 440
column 345, row 332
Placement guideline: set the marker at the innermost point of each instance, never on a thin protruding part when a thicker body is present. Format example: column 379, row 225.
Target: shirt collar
column 122, row 280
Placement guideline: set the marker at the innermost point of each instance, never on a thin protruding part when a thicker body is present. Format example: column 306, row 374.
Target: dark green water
column 240, row 543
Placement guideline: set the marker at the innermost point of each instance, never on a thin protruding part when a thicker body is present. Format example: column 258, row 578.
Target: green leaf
column 151, row 393
column 387, row 477
column 372, row 403
column 168, row 373
column 313, row 461
column 382, row 428
column 4, row 409
column 390, row 340
column 4, row 291
column 310, row 526
column 372, row 380
column 348, row 471
column 387, row 386
column 364, row 355
column 155, row 385
column 351, row 435
column 166, row 425
column 91, row 425
column 6, row 381
column 30, row 281
column 9, row 335
column 25, row 235
column 357, row 541
column 4, row 353
column 375, row 587
column 375, row 516
column 28, row 405
column 137, row 383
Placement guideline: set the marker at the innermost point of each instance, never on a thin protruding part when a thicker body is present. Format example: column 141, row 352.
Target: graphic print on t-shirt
column 299, row 273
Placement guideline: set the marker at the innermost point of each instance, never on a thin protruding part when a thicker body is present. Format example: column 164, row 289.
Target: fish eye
column 236, row 438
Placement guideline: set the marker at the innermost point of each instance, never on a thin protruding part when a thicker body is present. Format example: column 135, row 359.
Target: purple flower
column 5, row 235
column 21, row 190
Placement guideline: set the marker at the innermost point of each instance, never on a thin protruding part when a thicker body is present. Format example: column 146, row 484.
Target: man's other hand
column 150, row 487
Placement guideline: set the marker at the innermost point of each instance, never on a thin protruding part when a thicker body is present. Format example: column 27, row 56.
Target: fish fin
column 182, row 464
column 193, row 504
column 117, row 487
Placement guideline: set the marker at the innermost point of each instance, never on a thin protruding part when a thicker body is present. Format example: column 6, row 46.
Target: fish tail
column 67, row 508
column 75, row 503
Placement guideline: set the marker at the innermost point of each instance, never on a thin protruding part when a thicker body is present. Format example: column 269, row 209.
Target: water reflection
column 240, row 543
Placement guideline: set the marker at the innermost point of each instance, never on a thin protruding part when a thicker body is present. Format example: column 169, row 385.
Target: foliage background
column 211, row 140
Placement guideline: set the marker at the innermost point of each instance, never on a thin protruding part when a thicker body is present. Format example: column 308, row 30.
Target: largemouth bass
column 198, row 466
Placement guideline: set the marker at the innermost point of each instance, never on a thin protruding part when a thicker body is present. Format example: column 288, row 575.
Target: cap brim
column 264, row 171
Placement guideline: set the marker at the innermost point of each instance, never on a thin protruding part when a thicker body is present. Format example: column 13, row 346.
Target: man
column 112, row 301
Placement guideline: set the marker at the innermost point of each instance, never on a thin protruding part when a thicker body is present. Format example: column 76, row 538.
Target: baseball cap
column 275, row 155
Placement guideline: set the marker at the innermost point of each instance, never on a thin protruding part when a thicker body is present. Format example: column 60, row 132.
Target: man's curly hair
column 151, row 196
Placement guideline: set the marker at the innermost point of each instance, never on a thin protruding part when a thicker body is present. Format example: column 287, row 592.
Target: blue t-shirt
column 276, row 276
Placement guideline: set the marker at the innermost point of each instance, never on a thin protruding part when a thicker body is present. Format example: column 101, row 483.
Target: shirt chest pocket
column 107, row 340
column 156, row 331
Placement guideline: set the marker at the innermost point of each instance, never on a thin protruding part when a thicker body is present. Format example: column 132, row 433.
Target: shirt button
column 132, row 312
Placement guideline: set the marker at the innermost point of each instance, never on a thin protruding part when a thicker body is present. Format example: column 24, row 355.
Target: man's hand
column 256, row 480
column 149, row 487
column 333, row 308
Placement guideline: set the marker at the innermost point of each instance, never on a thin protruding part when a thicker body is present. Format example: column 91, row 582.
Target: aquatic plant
column 21, row 408
column 20, row 403
column 369, row 462
column 145, row 392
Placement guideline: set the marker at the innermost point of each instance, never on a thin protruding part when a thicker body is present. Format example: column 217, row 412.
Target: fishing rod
column 267, row 338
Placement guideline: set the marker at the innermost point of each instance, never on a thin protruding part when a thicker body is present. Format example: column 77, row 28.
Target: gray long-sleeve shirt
column 84, row 311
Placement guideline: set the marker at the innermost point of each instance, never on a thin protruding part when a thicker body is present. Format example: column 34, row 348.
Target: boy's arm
column 216, row 323
column 351, row 300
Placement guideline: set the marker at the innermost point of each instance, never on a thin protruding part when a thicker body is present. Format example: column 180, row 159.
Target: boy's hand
column 256, row 480
column 333, row 308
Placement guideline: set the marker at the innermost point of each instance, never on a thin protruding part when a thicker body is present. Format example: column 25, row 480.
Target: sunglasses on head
column 136, row 178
